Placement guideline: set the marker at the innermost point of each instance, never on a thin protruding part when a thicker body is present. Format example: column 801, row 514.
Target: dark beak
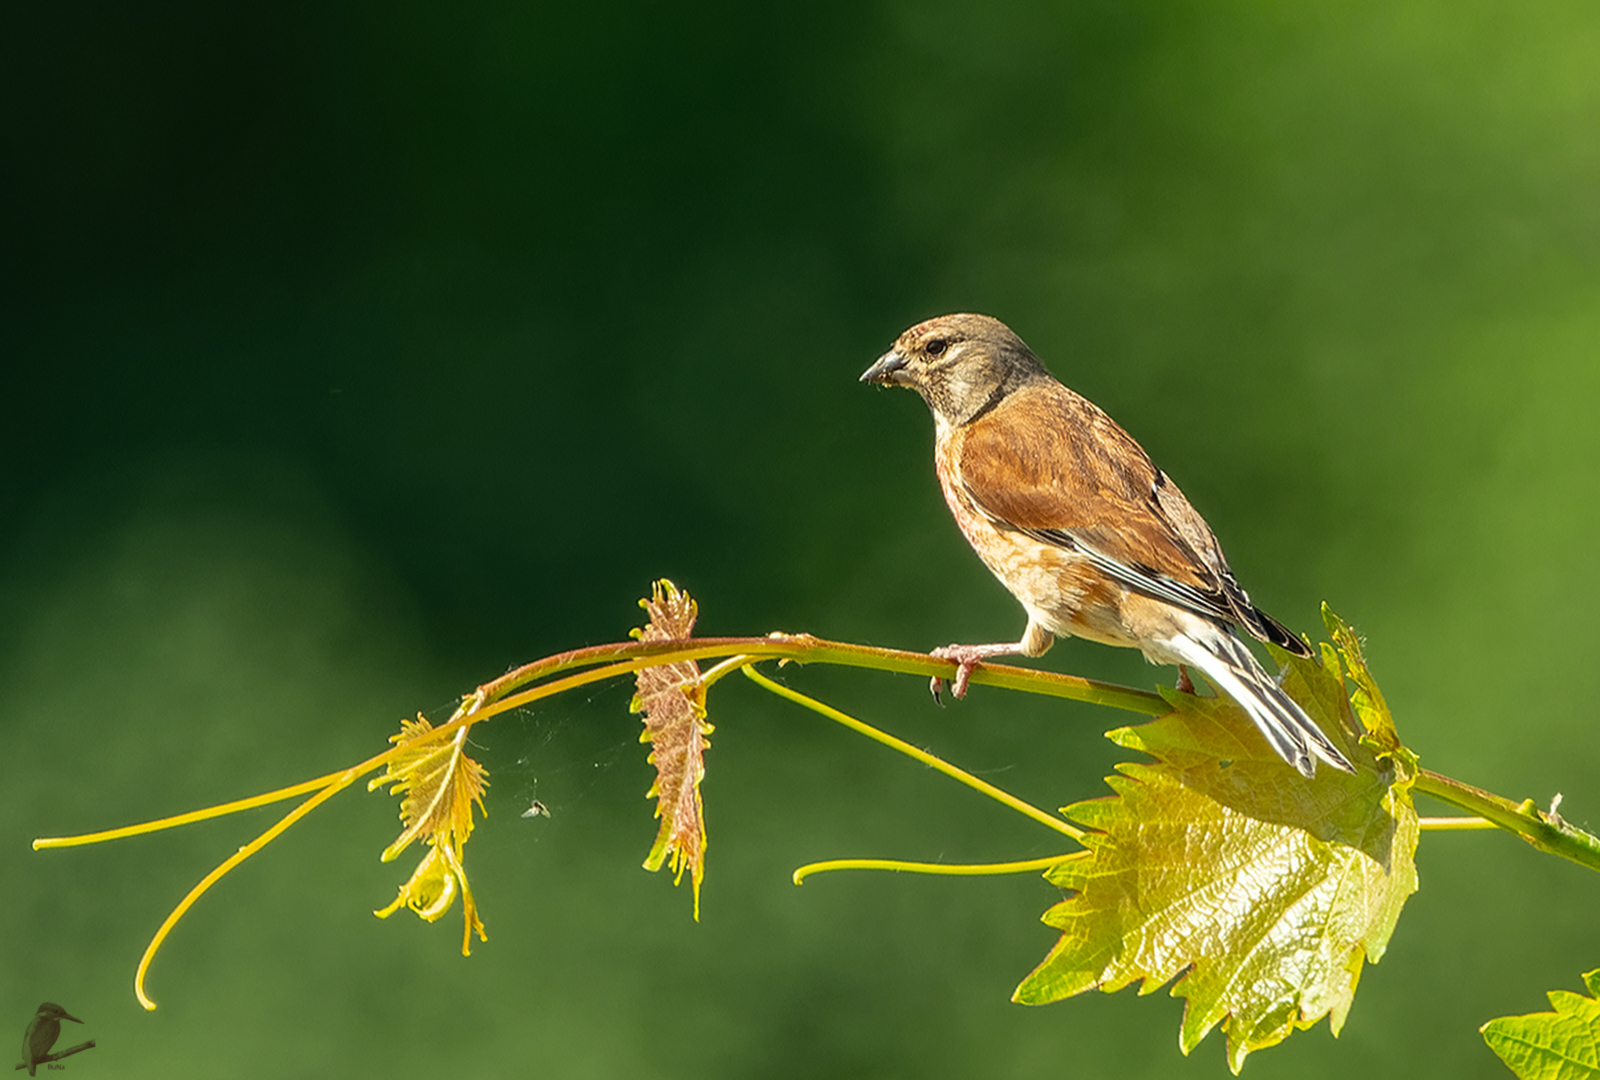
column 883, row 371
column 68, row 1016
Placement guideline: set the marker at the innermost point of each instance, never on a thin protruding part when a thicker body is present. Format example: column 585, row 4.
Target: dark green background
column 355, row 354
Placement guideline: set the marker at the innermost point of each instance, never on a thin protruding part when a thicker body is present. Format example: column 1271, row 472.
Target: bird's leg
column 967, row 657
column 1035, row 640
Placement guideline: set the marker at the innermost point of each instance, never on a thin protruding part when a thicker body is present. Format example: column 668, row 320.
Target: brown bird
column 1075, row 520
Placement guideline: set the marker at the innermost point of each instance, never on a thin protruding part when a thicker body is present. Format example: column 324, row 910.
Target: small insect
column 538, row 809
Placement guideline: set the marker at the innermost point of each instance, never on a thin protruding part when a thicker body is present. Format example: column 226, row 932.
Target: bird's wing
column 1053, row 465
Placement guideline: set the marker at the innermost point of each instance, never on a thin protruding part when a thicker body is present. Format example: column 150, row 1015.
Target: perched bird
column 1075, row 520
column 43, row 1030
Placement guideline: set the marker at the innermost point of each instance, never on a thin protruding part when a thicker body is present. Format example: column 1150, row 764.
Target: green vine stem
column 1005, row 798
column 804, row 648
column 934, row 869
column 1545, row 831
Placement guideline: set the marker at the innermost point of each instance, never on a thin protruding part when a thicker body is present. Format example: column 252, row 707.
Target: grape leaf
column 675, row 726
column 438, row 783
column 1218, row 865
column 1366, row 698
column 1560, row 1045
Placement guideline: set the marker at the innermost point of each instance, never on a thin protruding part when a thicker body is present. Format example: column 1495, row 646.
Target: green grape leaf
column 673, row 702
column 1560, row 1045
column 1262, row 893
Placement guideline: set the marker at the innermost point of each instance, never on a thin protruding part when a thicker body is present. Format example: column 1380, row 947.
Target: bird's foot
column 966, row 657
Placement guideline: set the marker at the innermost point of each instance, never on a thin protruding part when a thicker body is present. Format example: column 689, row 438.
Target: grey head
column 962, row 365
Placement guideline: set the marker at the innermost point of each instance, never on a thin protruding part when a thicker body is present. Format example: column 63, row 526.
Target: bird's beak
column 68, row 1016
column 887, row 371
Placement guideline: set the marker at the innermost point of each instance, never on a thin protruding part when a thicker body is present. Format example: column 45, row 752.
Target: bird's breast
column 1059, row 588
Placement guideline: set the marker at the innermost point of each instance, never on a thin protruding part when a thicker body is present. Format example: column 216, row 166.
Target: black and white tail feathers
column 1234, row 670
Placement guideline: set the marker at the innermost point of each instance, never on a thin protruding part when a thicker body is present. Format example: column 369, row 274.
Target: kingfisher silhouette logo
column 43, row 1031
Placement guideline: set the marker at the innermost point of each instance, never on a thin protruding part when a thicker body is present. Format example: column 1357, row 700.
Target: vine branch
column 1547, row 832
column 553, row 675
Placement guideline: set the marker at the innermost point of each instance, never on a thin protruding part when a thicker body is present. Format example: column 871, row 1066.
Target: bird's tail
column 1234, row 670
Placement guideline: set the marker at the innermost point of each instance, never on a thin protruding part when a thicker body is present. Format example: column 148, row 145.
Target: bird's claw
column 965, row 662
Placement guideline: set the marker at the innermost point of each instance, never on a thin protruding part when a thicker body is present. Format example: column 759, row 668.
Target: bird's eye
column 936, row 347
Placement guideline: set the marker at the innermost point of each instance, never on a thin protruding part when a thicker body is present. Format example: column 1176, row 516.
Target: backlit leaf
column 1560, row 1045
column 438, row 783
column 675, row 726
column 1218, row 865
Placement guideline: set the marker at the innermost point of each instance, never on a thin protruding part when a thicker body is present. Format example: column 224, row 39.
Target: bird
column 1077, row 522
column 43, row 1030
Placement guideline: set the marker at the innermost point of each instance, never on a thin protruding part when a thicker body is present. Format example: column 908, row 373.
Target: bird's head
column 49, row 1010
column 962, row 365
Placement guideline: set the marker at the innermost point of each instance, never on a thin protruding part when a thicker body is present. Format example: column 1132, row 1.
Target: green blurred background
column 354, row 354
